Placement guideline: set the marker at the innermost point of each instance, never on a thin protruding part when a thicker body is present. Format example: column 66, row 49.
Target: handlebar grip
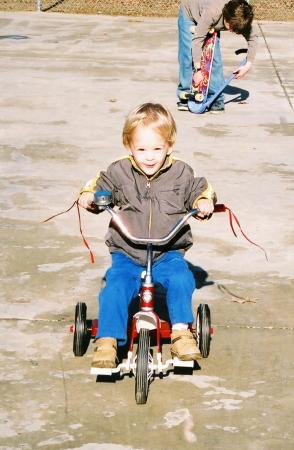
column 219, row 207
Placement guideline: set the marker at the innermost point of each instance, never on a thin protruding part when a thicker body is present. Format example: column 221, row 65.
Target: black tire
column 203, row 327
column 80, row 331
column 142, row 379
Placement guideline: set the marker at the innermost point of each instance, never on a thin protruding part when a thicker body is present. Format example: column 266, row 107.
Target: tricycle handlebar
column 156, row 241
column 103, row 200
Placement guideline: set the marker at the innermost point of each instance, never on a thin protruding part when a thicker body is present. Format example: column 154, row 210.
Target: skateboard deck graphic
column 200, row 92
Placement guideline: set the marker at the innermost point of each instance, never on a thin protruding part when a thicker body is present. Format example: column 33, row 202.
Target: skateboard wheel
column 184, row 95
column 199, row 97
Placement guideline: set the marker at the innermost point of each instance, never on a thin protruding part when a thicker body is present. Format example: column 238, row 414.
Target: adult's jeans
column 186, row 63
column 123, row 280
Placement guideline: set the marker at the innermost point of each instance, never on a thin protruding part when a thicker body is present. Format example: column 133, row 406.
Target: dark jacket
column 150, row 207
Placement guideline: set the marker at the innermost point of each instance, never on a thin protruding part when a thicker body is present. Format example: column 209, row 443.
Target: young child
column 196, row 19
column 152, row 191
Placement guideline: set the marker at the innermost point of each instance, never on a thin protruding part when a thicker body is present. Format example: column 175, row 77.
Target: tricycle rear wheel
column 203, row 329
column 80, row 329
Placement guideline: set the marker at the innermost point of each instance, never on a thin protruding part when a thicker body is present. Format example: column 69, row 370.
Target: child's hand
column 206, row 208
column 86, row 200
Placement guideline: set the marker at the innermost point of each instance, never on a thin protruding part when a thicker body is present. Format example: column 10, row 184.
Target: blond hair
column 150, row 114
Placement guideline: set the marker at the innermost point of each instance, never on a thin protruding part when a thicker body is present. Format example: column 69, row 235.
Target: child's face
column 149, row 149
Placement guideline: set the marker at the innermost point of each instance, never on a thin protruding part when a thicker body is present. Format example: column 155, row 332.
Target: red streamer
column 220, row 207
column 232, row 217
column 76, row 202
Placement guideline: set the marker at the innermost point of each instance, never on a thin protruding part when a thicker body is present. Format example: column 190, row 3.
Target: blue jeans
column 123, row 280
column 186, row 63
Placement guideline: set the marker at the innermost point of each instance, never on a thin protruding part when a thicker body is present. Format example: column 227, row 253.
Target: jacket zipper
column 148, row 185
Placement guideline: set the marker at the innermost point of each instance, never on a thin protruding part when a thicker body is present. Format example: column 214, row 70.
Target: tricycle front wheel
column 142, row 375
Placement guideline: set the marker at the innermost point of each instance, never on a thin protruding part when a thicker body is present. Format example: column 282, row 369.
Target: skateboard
column 198, row 100
column 198, row 94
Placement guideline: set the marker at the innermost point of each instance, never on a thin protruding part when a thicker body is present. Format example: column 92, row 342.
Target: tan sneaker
column 105, row 353
column 184, row 345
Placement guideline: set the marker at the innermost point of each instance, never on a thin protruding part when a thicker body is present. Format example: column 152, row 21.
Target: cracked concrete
column 67, row 83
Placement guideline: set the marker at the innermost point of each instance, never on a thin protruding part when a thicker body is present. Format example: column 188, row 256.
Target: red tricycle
column 145, row 325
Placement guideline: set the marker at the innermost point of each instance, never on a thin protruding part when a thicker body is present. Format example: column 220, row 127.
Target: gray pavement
column 67, row 83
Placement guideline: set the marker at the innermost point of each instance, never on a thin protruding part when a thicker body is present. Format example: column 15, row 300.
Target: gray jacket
column 150, row 207
column 207, row 14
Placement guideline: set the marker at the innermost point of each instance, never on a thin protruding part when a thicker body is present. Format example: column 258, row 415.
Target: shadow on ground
column 240, row 95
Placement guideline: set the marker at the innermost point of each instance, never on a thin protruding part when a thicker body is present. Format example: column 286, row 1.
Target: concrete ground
column 67, row 83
